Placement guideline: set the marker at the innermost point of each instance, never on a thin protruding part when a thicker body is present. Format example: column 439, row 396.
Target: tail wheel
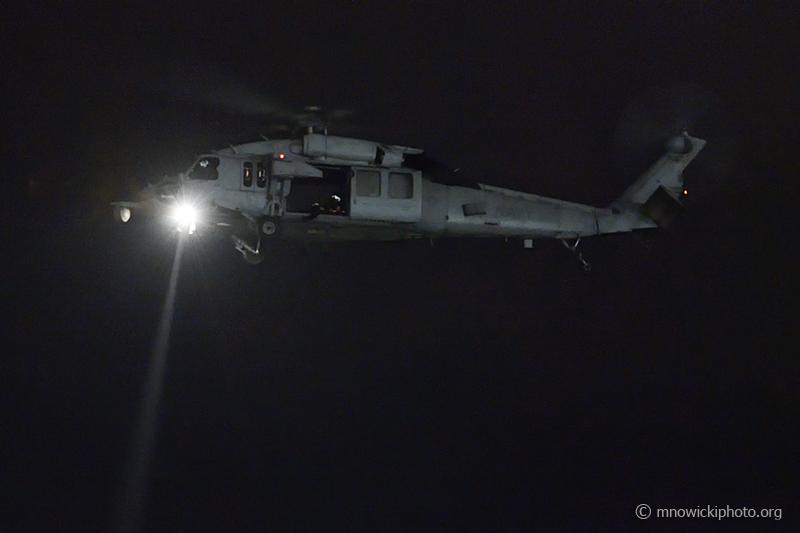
column 269, row 227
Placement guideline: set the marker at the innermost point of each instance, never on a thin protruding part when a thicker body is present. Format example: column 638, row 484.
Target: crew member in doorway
column 331, row 206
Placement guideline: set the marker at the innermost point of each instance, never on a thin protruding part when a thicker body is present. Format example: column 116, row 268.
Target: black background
column 473, row 385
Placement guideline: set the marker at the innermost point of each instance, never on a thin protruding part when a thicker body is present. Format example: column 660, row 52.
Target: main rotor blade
column 195, row 82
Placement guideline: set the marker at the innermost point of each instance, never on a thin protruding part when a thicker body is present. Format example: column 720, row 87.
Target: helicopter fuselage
column 338, row 188
column 278, row 179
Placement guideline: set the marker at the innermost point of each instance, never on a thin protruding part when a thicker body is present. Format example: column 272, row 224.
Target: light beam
column 135, row 483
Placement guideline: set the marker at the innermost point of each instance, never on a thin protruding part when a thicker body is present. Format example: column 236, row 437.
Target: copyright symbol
column 643, row 511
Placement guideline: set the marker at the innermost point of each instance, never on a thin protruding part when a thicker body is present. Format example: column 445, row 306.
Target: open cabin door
column 386, row 194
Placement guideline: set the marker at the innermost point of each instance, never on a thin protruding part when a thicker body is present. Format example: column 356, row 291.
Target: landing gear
column 266, row 229
column 254, row 259
column 254, row 255
column 585, row 265
column 269, row 227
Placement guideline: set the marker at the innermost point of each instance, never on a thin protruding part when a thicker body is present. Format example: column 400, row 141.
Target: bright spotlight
column 186, row 216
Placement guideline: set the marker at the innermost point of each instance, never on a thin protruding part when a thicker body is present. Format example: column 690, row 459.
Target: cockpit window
column 205, row 169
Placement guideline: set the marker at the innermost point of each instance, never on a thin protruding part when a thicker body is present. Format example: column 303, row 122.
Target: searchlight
column 186, row 216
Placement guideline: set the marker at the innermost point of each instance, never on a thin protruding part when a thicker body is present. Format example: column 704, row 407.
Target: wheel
column 269, row 227
column 122, row 214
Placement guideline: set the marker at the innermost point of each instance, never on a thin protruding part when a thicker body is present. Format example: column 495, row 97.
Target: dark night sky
column 375, row 386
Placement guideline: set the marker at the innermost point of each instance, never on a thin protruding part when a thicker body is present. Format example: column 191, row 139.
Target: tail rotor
column 658, row 120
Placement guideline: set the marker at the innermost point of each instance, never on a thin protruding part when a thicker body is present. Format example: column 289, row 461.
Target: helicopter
column 328, row 187
column 317, row 186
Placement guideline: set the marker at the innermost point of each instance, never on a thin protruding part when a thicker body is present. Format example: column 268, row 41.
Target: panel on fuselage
column 386, row 194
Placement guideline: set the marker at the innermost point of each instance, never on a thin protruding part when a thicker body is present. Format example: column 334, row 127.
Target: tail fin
column 658, row 193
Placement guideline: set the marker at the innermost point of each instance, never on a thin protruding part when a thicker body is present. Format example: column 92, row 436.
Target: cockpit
column 205, row 168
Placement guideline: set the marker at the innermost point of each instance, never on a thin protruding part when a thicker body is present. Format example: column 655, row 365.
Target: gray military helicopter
column 328, row 187
column 339, row 188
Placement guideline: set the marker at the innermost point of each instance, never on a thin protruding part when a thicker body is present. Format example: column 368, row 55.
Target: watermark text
column 644, row 512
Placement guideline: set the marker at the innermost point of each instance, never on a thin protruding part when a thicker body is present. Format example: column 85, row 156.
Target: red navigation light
column 281, row 156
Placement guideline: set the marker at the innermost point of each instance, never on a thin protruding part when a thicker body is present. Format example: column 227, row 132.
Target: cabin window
column 401, row 185
column 368, row 183
column 247, row 175
column 261, row 177
column 205, row 169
